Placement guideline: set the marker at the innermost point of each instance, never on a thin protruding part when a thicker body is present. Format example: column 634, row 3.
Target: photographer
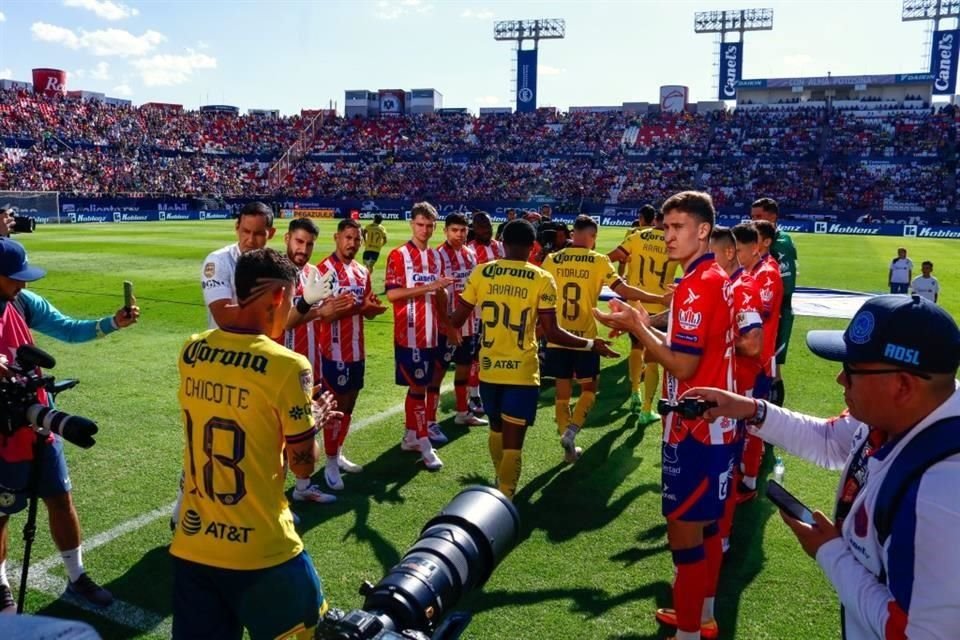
column 16, row 450
column 887, row 554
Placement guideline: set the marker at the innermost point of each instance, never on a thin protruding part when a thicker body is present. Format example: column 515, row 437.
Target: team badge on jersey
column 689, row 319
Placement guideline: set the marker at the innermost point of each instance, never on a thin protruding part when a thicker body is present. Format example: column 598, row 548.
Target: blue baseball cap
column 14, row 264
column 906, row 331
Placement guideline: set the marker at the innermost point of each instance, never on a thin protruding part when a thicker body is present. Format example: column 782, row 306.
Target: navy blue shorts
column 899, row 287
column 696, row 479
column 342, row 377
column 567, row 364
column 414, row 367
column 461, row 354
column 514, row 402
column 15, row 476
column 370, row 256
column 210, row 603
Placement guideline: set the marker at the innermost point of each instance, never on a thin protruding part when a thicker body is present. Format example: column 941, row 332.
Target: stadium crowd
column 805, row 156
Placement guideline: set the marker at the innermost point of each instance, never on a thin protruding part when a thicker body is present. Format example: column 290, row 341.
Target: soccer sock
column 344, row 429
column 584, row 404
column 331, row 437
column 3, row 574
column 73, row 561
column 433, row 401
column 713, row 556
column 651, row 380
column 561, row 410
column 495, row 444
column 460, row 391
column 473, row 380
column 635, row 367
column 509, row 473
column 752, row 458
column 688, row 588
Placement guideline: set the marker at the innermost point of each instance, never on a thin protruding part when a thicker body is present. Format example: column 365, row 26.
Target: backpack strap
column 932, row 445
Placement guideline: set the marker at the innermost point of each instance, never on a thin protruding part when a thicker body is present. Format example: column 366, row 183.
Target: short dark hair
column 482, row 218
column 767, row 204
column 347, row 223
column 424, row 209
column 722, row 234
column 584, row 222
column 925, row 263
column 765, row 229
column 454, row 218
column 746, row 233
column 261, row 263
column 303, row 224
column 519, row 233
column 698, row 204
column 377, row 218
column 256, row 208
column 647, row 213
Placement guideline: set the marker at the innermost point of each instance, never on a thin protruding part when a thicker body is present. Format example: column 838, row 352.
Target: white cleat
column 429, row 456
column 313, row 494
column 571, row 452
column 409, row 441
column 346, row 466
column 469, row 419
column 331, row 475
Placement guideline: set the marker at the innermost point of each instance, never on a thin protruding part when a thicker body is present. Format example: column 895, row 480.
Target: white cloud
column 103, row 42
column 123, row 90
column 547, row 70
column 6, row 74
column 3, row 18
column 479, row 14
column 393, row 9
column 101, row 71
column 203, row 44
column 487, row 101
column 168, row 70
column 104, row 8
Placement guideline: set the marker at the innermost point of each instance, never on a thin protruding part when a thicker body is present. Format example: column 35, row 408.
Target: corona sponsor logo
column 492, row 270
column 200, row 351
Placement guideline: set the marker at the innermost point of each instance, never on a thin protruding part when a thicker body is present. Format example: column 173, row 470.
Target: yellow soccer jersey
column 508, row 295
column 649, row 268
column 242, row 397
column 580, row 275
column 375, row 236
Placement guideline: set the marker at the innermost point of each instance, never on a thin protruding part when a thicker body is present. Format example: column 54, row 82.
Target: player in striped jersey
column 458, row 261
column 416, row 287
column 341, row 343
column 486, row 249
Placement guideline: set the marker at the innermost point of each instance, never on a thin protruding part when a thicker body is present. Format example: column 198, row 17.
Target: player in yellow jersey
column 374, row 237
column 648, row 268
column 512, row 297
column 245, row 401
column 580, row 274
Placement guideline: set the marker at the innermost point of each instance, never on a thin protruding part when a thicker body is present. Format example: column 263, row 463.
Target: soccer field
column 593, row 561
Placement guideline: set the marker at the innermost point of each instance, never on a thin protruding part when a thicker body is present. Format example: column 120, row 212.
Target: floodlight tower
column 935, row 12
column 731, row 53
column 535, row 30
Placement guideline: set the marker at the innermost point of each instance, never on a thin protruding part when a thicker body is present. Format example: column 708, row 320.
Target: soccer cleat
column 436, row 435
column 475, row 406
column 745, row 493
column 313, row 494
column 571, row 452
column 409, row 441
column 648, row 417
column 331, row 475
column 469, row 419
column 346, row 466
column 635, row 403
column 84, row 587
column 708, row 630
column 8, row 606
column 429, row 456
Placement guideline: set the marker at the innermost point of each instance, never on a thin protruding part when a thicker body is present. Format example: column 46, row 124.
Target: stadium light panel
column 734, row 20
column 542, row 29
column 930, row 9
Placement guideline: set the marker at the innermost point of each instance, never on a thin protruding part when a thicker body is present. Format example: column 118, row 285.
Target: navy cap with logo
column 906, row 331
column 14, row 264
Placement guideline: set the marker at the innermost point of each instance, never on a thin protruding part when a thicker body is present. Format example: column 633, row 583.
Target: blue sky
column 288, row 55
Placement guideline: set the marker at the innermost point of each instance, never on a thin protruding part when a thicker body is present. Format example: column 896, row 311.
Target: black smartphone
column 127, row 295
column 786, row 501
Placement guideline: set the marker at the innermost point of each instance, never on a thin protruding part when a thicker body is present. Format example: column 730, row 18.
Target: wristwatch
column 760, row 414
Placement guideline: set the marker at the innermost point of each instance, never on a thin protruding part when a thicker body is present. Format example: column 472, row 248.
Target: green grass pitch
column 593, row 561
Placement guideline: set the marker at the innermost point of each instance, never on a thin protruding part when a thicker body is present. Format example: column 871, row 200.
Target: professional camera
column 19, row 404
column 456, row 552
column 23, row 224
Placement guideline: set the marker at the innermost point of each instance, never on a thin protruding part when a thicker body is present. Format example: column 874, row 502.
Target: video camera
column 19, row 404
column 456, row 552
column 23, row 224
column 688, row 408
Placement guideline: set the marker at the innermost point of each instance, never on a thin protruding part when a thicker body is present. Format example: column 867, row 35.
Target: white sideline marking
column 122, row 612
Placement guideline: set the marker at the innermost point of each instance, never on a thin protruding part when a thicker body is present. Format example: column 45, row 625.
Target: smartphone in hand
column 127, row 296
column 786, row 501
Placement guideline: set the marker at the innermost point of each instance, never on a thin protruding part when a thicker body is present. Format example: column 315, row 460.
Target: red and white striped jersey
column 486, row 252
column 415, row 320
column 457, row 264
column 342, row 340
column 304, row 339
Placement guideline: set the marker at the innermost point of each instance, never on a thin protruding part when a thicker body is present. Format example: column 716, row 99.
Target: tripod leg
column 30, row 527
